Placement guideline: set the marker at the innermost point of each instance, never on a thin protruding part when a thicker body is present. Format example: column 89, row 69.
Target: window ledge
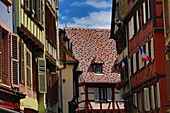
column 99, row 74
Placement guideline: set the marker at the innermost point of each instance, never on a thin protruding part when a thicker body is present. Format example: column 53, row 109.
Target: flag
column 144, row 56
column 123, row 64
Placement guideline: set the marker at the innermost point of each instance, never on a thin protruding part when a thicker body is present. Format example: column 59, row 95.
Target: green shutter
column 41, row 76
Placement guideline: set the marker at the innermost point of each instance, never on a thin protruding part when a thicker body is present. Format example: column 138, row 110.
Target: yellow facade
column 67, row 87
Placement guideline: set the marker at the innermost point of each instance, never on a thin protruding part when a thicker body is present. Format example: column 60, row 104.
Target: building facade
column 66, row 78
column 95, row 89
column 10, row 95
column 166, row 15
column 51, row 34
column 144, row 29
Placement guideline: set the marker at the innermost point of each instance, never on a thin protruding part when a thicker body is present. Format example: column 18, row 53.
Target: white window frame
column 103, row 94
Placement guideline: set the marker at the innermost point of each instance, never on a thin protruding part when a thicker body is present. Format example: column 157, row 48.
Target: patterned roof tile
column 94, row 45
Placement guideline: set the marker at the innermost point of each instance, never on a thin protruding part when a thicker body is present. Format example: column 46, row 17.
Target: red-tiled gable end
column 94, row 46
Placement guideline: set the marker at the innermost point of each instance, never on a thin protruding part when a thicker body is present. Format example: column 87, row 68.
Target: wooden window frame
column 5, row 56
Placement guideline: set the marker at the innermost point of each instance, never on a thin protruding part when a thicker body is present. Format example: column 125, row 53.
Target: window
column 97, row 68
column 27, row 4
column 135, row 23
column 135, row 100
column 167, row 16
column 40, row 11
column 152, row 99
column 137, row 61
column 28, row 68
column 146, row 99
column 146, row 11
column 131, row 28
column 157, row 95
column 22, row 69
column 102, row 94
column 139, row 98
column 3, row 55
column 137, row 20
column 35, row 9
column 134, row 63
column 129, row 67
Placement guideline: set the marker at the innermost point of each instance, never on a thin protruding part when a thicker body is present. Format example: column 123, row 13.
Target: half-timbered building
column 29, row 24
column 144, row 29
column 96, row 55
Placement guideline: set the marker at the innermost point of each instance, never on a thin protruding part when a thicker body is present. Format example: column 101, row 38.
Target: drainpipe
column 60, row 87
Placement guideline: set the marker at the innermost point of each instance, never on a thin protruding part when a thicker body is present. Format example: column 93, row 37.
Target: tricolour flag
column 144, row 56
column 123, row 64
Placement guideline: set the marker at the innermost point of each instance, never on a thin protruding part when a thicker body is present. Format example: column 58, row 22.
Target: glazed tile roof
column 92, row 45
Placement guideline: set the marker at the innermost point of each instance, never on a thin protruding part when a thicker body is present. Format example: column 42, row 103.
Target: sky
column 85, row 13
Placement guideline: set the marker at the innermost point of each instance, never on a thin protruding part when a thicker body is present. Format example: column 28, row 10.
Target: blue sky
column 85, row 13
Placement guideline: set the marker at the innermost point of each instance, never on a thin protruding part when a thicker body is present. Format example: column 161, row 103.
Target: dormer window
column 97, row 68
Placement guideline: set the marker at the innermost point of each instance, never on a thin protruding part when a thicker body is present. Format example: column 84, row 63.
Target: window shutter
column 96, row 94
column 146, row 99
column 48, row 86
column 148, row 1
column 54, row 87
column 152, row 98
column 135, row 102
column 109, row 94
column 144, row 12
column 158, row 95
column 0, row 54
column 152, row 48
column 41, row 76
column 132, row 27
column 134, row 62
column 137, row 20
column 129, row 66
column 15, row 60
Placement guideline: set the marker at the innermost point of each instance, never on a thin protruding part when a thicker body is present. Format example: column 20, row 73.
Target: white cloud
column 94, row 3
column 97, row 4
column 100, row 19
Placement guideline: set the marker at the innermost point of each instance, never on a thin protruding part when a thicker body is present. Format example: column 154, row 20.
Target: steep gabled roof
column 93, row 45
